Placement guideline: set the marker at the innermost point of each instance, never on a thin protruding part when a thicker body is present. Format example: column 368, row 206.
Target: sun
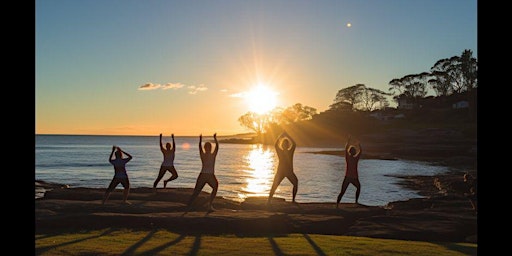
column 261, row 99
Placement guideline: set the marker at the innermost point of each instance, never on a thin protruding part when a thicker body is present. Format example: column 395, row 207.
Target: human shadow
column 43, row 249
column 466, row 250
column 195, row 247
column 130, row 250
column 317, row 248
column 275, row 247
column 163, row 246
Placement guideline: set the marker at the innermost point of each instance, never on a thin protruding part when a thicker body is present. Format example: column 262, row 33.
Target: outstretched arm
column 173, row 143
column 161, row 145
column 216, row 144
column 111, row 153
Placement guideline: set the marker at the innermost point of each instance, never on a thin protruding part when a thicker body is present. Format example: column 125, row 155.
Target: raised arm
column 347, row 144
column 276, row 144
column 200, row 144
column 111, row 153
column 216, row 144
column 124, row 152
column 292, row 141
column 161, row 144
column 173, row 143
column 360, row 150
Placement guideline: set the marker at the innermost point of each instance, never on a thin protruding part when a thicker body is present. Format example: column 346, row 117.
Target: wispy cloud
column 192, row 89
column 149, row 86
column 172, row 86
column 238, row 95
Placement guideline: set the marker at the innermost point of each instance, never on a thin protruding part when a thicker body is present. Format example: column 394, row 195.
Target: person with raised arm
column 207, row 174
column 285, row 148
column 352, row 156
column 168, row 162
column 120, row 175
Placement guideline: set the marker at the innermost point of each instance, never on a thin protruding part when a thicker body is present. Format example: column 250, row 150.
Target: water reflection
column 261, row 164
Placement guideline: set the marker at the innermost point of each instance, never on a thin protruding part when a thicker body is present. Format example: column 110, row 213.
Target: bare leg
column 160, row 176
column 344, row 186
column 215, row 185
column 105, row 197
column 173, row 177
column 126, row 191
column 358, row 190
column 197, row 189
column 275, row 184
column 293, row 179
column 111, row 186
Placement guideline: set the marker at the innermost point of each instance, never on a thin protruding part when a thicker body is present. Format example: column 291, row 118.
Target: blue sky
column 94, row 57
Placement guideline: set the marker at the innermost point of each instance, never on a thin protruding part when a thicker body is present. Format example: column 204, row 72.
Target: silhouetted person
column 471, row 193
column 207, row 174
column 168, row 163
column 352, row 156
column 120, row 175
column 285, row 147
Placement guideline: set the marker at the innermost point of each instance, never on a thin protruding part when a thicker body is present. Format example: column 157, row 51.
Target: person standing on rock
column 352, row 156
column 168, row 163
column 207, row 174
column 120, row 175
column 285, row 147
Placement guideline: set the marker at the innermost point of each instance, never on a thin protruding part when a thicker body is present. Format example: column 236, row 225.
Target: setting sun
column 261, row 99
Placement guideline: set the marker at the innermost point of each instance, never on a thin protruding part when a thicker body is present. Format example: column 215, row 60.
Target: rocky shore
column 444, row 215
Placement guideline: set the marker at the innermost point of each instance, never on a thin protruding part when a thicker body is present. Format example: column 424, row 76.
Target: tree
column 348, row 95
column 256, row 122
column 370, row 98
column 410, row 87
column 296, row 113
column 458, row 73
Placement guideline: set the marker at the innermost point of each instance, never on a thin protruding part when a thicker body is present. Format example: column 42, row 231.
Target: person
column 471, row 193
column 168, row 163
column 120, row 175
column 285, row 147
column 352, row 156
column 207, row 174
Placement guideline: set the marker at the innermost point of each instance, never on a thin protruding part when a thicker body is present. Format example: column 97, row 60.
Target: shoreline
column 443, row 214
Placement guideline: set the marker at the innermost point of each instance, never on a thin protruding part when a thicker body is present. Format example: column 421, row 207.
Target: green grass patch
column 164, row 242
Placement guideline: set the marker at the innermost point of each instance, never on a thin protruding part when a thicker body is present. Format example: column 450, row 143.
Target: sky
column 131, row 67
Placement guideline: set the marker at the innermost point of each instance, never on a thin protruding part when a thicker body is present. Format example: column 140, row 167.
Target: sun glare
column 261, row 99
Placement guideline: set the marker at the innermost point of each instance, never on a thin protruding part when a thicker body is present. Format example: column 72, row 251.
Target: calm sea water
column 242, row 170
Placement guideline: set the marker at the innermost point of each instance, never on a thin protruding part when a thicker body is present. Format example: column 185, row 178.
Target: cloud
column 238, row 95
column 172, row 86
column 192, row 89
column 149, row 86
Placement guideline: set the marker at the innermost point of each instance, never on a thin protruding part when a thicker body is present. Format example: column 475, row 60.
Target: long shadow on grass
column 318, row 250
column 134, row 247
column 465, row 249
column 275, row 247
column 164, row 246
column 195, row 246
column 46, row 248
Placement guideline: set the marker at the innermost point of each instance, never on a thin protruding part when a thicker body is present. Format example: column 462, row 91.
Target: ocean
column 243, row 170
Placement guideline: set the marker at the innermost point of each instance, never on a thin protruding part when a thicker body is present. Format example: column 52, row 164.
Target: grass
column 164, row 242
